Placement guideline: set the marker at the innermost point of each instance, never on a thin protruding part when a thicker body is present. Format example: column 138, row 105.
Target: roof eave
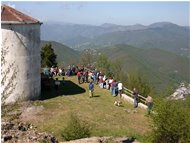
column 17, row 22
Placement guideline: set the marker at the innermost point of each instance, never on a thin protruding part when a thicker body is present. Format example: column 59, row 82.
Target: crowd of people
column 96, row 77
column 116, row 88
column 61, row 71
column 92, row 77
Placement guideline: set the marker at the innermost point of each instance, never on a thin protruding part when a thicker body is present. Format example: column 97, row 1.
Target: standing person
column 91, row 89
column 63, row 81
column 46, row 71
column 73, row 70
column 79, row 76
column 104, row 81
column 110, row 82
column 60, row 72
column 149, row 102
column 98, row 76
column 69, row 67
column 107, row 83
column 86, row 76
column 100, row 81
column 116, row 88
column 120, row 88
column 57, row 83
column 83, row 76
column 113, row 87
column 95, row 77
column 51, row 70
column 136, row 97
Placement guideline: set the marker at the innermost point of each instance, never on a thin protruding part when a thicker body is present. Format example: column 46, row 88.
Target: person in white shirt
column 104, row 78
column 60, row 71
column 110, row 82
column 107, row 84
column 120, row 88
column 149, row 102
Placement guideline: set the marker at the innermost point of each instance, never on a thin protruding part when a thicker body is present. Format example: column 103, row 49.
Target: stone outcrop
column 103, row 140
column 181, row 92
column 16, row 127
column 23, row 133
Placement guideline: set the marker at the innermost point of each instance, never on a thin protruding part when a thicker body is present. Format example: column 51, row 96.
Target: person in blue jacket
column 91, row 89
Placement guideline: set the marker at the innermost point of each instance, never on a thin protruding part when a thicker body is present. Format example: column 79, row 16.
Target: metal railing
column 128, row 92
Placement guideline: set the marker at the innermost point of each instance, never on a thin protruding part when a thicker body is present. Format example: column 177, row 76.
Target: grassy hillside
column 104, row 118
column 160, row 67
column 65, row 55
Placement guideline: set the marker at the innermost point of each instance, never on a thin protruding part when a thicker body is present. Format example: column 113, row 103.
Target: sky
column 97, row 13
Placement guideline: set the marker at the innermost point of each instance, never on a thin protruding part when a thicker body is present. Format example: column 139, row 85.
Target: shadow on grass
column 66, row 88
column 129, row 140
column 96, row 95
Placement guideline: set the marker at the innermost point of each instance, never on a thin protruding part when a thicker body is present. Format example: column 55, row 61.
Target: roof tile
column 11, row 14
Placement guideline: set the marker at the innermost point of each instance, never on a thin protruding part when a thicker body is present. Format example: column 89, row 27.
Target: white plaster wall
column 23, row 42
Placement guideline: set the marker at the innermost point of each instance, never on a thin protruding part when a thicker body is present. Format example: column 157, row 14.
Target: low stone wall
column 104, row 140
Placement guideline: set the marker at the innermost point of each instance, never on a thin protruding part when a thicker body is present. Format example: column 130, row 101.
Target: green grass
column 105, row 118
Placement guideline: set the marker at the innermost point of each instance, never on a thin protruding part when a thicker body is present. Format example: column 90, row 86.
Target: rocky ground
column 15, row 130
column 18, row 132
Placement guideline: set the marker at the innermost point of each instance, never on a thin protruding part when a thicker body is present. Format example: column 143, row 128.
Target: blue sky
column 97, row 13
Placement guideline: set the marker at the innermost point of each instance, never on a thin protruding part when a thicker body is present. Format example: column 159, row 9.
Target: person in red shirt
column 79, row 76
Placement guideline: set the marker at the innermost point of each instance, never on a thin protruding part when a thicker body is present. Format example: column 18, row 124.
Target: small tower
column 20, row 56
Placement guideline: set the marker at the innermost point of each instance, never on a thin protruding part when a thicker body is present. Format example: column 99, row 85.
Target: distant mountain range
column 162, row 35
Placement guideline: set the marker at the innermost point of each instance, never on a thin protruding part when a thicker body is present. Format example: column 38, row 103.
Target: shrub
column 171, row 123
column 76, row 129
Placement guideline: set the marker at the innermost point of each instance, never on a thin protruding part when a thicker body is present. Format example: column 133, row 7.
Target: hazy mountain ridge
column 169, row 38
column 164, row 35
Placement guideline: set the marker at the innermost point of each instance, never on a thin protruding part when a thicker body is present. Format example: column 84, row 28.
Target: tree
column 48, row 57
column 171, row 122
column 118, row 71
column 103, row 64
column 87, row 57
